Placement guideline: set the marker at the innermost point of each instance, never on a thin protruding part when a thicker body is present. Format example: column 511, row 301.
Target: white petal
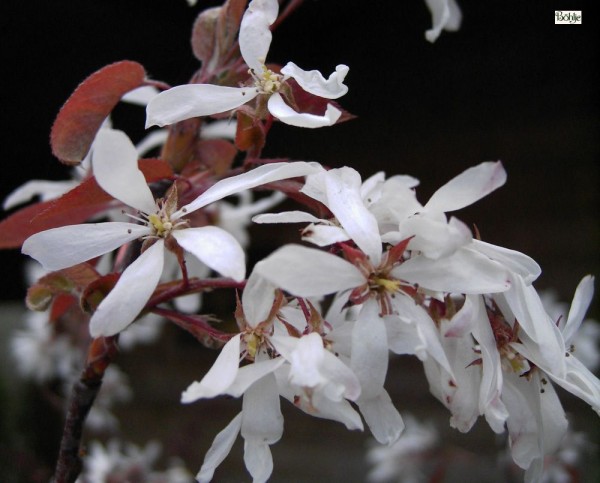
column 141, row 95
column 219, row 449
column 255, row 34
column 434, row 237
column 262, row 419
column 129, row 296
column 425, row 327
column 216, row 248
column 335, row 370
column 515, row 261
column 536, row 324
column 314, row 83
column 324, row 235
column 468, row 187
column 461, row 322
column 581, row 302
column 464, row 271
column 286, row 217
column 491, row 378
column 115, row 166
column 369, row 358
column 279, row 109
column 266, row 173
column 536, row 421
column 345, row 202
column 305, row 355
column 308, row 272
column 383, row 418
column 319, row 407
column 251, row 373
column 445, row 15
column 258, row 460
column 69, row 245
column 194, row 100
column 257, row 299
column 220, row 375
column 46, row 190
column 576, row 378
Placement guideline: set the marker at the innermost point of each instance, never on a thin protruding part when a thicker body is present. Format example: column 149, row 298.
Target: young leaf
column 84, row 112
column 203, row 34
column 229, row 24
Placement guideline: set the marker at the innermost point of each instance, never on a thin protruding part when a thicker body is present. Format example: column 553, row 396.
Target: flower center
column 269, row 82
column 385, row 284
column 161, row 225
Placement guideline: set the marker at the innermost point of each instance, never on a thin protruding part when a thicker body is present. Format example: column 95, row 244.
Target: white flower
column 307, row 272
column 312, row 366
column 301, row 369
column 193, row 100
column 115, row 168
column 443, row 259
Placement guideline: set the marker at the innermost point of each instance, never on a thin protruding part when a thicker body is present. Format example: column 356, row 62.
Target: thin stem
column 194, row 324
column 171, row 290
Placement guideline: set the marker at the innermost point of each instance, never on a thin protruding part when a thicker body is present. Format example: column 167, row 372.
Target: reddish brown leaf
column 229, row 24
column 250, row 134
column 82, row 115
column 155, row 169
column 179, row 147
column 66, row 282
column 62, row 303
column 80, row 275
column 203, row 34
column 95, row 292
column 216, row 155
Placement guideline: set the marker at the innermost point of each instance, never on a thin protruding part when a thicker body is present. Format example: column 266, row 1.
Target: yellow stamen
column 387, row 284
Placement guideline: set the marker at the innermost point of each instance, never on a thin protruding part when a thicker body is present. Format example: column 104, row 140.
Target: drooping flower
column 193, row 100
column 115, row 168
column 299, row 368
column 565, row 369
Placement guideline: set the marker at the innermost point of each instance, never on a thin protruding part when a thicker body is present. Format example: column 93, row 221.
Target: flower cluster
column 378, row 272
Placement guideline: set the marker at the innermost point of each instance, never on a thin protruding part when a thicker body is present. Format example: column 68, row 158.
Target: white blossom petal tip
column 314, row 83
column 115, row 166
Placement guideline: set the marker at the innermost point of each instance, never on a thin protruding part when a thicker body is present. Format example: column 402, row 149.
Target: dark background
column 510, row 85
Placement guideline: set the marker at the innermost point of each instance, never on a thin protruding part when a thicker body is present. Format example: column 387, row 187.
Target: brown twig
column 101, row 353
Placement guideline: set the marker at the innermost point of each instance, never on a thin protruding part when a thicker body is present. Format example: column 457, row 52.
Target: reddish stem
column 170, row 290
